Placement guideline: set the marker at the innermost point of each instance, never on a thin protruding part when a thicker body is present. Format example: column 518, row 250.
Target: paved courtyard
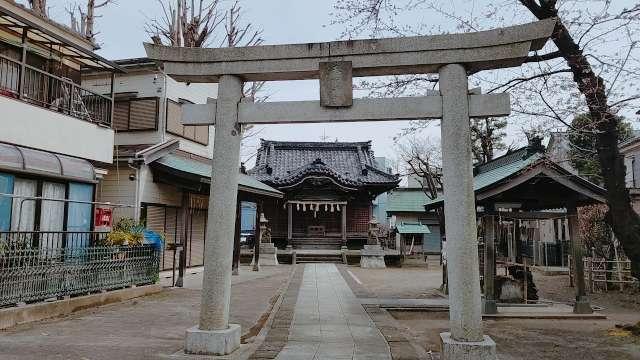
column 150, row 327
column 329, row 322
column 328, row 311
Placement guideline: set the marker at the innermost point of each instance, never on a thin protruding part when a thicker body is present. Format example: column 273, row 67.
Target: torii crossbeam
column 334, row 64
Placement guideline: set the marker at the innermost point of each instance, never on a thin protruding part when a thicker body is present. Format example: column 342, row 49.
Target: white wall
column 145, row 84
column 36, row 127
column 157, row 193
column 196, row 93
column 148, row 83
column 632, row 164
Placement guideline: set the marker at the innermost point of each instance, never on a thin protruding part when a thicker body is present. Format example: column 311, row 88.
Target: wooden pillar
column 289, row 223
column 582, row 305
column 488, row 223
column 235, row 267
column 344, row 225
column 517, row 241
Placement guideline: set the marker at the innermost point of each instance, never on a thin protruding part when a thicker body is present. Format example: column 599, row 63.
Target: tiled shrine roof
column 350, row 164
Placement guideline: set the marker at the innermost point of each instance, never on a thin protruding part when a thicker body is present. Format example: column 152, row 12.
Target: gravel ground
column 557, row 288
column 400, row 283
column 531, row 339
column 516, row 338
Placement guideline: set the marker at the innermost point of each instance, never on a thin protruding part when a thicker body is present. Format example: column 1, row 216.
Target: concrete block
column 372, row 257
column 458, row 350
column 212, row 342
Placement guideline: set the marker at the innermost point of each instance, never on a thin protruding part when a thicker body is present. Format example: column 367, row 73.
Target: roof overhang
column 412, row 228
column 155, row 152
column 585, row 192
column 192, row 175
column 20, row 160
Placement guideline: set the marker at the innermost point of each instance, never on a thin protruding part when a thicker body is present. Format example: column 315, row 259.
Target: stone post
column 214, row 335
column 488, row 221
column 465, row 341
column 289, row 224
column 582, row 305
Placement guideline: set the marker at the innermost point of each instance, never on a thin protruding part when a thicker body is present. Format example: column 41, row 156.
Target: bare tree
column 184, row 24
column 593, row 66
column 82, row 20
column 487, row 136
column 423, row 162
column 39, row 7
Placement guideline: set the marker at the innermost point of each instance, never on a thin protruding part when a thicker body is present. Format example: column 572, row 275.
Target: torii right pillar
column 466, row 340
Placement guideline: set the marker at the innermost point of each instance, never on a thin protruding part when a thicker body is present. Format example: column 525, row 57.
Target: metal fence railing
column 52, row 239
column 53, row 92
column 35, row 274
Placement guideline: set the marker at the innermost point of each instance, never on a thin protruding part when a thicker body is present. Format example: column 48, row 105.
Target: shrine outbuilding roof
column 529, row 177
column 350, row 164
column 406, row 199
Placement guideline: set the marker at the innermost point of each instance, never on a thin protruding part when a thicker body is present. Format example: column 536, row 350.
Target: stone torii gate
column 453, row 57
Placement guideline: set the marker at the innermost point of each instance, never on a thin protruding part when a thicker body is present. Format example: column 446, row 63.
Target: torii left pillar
column 214, row 335
column 466, row 340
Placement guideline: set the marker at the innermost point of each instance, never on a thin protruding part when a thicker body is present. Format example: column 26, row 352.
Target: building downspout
column 136, row 199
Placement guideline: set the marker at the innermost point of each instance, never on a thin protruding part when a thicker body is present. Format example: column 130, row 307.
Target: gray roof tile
column 281, row 163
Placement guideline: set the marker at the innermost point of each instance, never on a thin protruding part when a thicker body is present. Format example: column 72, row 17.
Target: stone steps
column 317, row 243
column 318, row 258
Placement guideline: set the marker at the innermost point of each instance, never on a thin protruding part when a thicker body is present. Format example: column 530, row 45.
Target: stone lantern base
column 268, row 254
column 372, row 257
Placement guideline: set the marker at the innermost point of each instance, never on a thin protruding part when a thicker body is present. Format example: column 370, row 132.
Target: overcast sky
column 121, row 33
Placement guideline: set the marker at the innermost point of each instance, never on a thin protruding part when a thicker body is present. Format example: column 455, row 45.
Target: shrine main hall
column 329, row 190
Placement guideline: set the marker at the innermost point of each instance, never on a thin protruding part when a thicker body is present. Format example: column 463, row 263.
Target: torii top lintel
column 491, row 49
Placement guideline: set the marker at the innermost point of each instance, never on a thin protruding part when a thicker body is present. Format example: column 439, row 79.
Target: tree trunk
column 90, row 21
column 623, row 219
column 39, row 7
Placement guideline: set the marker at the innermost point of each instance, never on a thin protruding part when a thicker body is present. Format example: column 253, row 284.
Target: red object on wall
column 104, row 217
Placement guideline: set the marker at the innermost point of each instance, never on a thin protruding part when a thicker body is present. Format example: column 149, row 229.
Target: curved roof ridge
column 265, row 142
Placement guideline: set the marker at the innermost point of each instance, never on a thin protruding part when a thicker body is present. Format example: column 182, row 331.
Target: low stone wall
column 13, row 316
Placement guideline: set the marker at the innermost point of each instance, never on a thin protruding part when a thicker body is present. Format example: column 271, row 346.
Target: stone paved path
column 329, row 322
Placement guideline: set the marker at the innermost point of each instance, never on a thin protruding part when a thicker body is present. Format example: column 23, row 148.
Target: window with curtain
column 23, row 210
column 52, row 214
column 6, row 187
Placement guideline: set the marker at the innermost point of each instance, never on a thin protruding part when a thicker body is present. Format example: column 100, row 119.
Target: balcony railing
column 46, row 90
